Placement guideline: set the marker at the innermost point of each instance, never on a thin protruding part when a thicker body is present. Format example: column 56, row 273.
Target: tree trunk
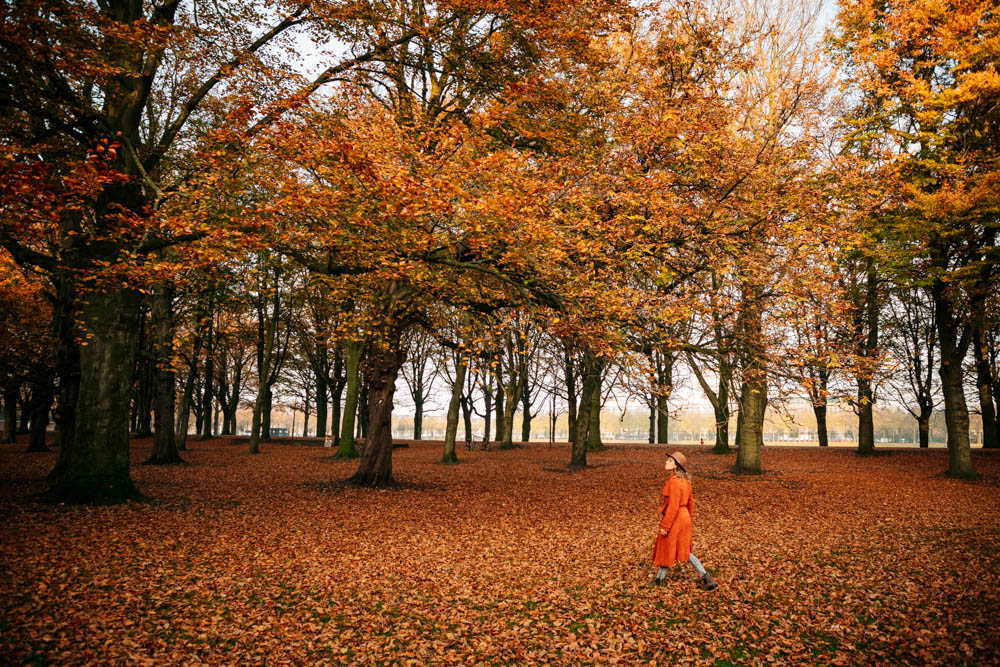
column 42, row 398
column 184, row 418
column 206, row 401
column 591, row 384
column 466, row 417
column 753, row 391
column 488, row 406
column 954, row 340
column 984, row 382
column 594, row 443
column 67, row 368
column 347, row 449
column 498, row 405
column 322, row 406
column 569, row 369
column 363, row 409
column 97, row 469
column 821, row 431
column 525, row 416
column 382, row 366
column 924, row 427
column 265, row 419
column 665, row 381
column 22, row 428
column 750, row 431
column 451, row 431
column 162, row 324
column 866, row 421
column 10, row 393
column 652, row 418
column 418, row 414
column 260, row 427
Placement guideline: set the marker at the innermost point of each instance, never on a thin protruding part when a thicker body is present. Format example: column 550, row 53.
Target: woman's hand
column 663, row 532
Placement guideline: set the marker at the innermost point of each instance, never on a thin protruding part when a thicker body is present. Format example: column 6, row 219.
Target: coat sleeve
column 671, row 503
column 691, row 504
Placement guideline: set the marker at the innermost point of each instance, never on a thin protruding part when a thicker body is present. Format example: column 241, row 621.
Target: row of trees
column 633, row 186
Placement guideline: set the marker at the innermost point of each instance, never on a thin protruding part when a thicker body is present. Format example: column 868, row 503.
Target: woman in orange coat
column 673, row 543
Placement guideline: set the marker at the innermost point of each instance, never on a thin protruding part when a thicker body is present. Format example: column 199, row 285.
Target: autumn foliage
column 828, row 559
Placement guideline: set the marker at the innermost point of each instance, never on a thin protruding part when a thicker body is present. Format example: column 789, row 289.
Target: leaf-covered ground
column 505, row 558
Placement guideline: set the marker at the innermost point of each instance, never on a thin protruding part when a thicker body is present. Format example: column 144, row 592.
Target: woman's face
column 670, row 464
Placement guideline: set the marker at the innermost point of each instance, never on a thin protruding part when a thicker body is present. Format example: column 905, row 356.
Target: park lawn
column 506, row 558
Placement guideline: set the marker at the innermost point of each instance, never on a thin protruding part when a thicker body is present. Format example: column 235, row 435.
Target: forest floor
column 505, row 558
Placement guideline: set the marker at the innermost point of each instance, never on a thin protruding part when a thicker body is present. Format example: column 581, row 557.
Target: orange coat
column 676, row 513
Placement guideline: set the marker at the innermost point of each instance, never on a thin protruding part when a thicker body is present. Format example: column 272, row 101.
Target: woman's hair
column 678, row 470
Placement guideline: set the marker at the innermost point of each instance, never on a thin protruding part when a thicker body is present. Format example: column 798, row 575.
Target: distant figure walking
column 673, row 542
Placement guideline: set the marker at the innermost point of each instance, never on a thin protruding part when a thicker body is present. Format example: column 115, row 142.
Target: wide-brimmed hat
column 681, row 460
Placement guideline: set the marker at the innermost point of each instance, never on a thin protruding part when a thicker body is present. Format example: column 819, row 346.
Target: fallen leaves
column 827, row 558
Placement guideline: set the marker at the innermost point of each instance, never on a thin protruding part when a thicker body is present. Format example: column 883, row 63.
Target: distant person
column 673, row 542
column 702, row 443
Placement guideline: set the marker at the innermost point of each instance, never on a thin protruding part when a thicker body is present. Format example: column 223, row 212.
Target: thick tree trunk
column 466, row 417
column 924, row 427
column 954, row 339
column 265, row 418
column 956, row 419
column 569, row 369
column 418, row 414
column 525, row 416
column 22, row 428
column 866, row 420
column 984, row 383
column 498, row 405
column 184, row 418
column 162, row 324
column 42, row 398
column 363, row 409
column 750, row 431
column 722, row 421
column 753, row 391
column 382, row 366
column 97, row 469
column 347, row 448
column 322, row 406
column 591, row 384
column 821, row 431
column 67, row 368
column 451, row 430
column 594, row 443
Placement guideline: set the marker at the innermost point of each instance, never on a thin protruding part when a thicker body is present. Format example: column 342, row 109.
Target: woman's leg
column 697, row 565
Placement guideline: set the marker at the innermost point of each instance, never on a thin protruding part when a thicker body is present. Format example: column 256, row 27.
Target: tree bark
column 498, row 404
column 347, row 448
column 322, row 407
column 569, row 369
column 591, row 384
column 525, row 416
column 984, row 383
column 42, row 397
column 652, row 418
column 382, row 365
column 665, row 379
column 97, row 469
column 418, row 414
column 594, row 443
column 954, row 340
column 162, row 324
column 821, row 431
column 867, row 329
column 451, row 431
column 753, row 391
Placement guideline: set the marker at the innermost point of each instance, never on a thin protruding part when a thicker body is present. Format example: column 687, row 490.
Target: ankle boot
column 708, row 583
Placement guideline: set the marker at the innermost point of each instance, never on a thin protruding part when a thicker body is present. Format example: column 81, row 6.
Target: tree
column 927, row 92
